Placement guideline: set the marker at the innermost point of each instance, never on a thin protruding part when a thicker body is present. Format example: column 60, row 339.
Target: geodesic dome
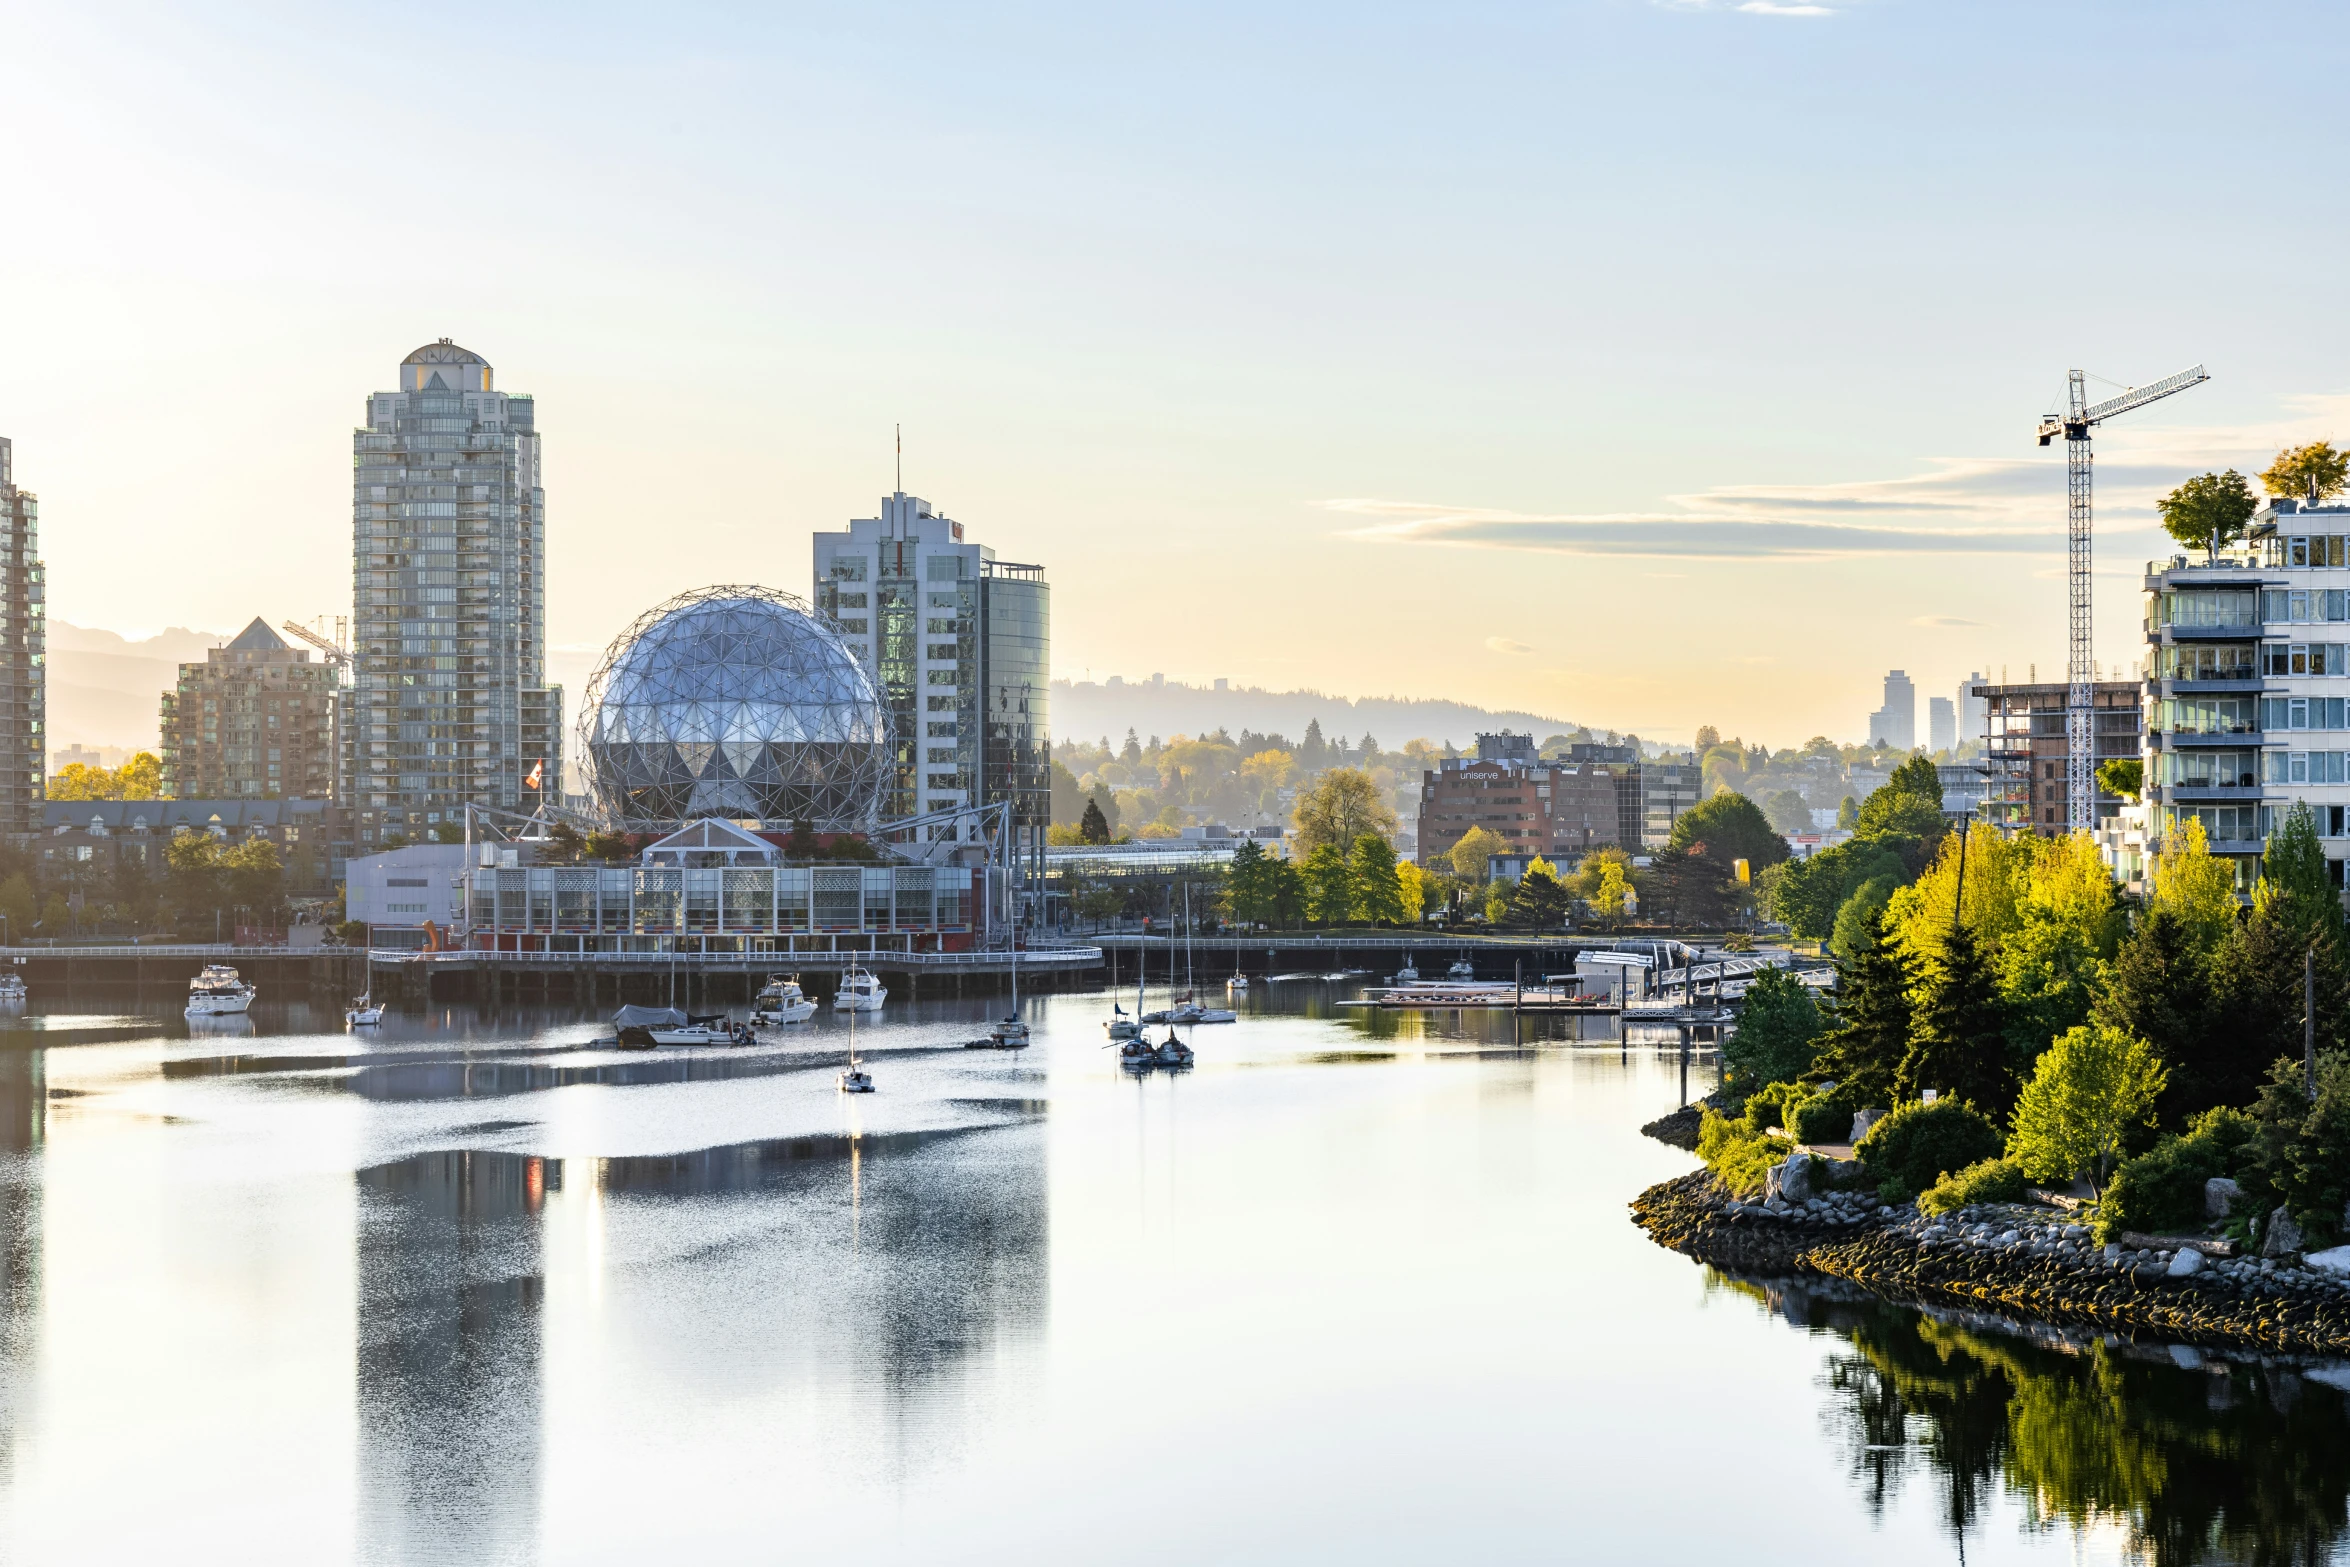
column 736, row 702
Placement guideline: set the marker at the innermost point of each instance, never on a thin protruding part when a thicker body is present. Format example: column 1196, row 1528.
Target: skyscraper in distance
column 1896, row 723
column 24, row 642
column 449, row 704
column 1941, row 724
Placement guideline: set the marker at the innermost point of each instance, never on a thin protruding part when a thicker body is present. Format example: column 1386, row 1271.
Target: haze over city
column 1652, row 365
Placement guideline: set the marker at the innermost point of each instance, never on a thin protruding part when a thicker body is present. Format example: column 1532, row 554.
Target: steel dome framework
column 736, row 702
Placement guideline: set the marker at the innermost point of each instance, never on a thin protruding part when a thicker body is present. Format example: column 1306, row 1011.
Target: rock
column 2113, row 1251
column 1791, row 1180
column 2335, row 1261
column 2284, row 1236
column 2186, row 1263
column 2220, row 1196
column 1862, row 1120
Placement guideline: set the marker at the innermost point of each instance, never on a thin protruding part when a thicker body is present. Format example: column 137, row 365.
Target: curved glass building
column 735, row 702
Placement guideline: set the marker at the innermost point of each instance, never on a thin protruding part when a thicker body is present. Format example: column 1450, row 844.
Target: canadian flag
column 538, row 770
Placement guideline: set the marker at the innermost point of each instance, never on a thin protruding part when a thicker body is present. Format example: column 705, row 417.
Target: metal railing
column 1030, row 957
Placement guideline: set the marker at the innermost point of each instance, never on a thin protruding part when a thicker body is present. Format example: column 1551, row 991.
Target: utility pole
column 2309, row 1022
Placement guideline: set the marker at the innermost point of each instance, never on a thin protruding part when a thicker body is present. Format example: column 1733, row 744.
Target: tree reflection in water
column 2197, row 1457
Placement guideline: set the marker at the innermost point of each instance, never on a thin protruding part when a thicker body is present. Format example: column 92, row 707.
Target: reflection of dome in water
column 735, row 702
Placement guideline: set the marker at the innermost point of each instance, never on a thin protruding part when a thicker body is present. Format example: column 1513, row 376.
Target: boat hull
column 220, row 1006
column 775, row 1017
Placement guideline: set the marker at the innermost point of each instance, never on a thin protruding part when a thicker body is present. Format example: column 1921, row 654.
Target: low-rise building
column 396, row 892
column 89, row 838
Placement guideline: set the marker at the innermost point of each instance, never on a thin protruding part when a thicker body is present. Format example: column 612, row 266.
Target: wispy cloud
column 1964, row 506
column 1506, row 645
column 1948, row 622
column 1770, row 8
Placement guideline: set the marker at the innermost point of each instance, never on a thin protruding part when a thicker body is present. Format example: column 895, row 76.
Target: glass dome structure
column 735, row 702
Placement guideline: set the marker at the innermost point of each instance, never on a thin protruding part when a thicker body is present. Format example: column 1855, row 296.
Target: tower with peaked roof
column 254, row 721
column 23, row 643
column 449, row 701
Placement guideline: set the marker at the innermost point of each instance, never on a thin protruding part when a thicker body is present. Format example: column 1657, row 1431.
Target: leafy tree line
column 140, row 778
column 196, row 885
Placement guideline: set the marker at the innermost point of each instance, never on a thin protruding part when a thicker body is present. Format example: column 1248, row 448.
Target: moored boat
column 859, row 992
column 219, row 992
column 781, row 1001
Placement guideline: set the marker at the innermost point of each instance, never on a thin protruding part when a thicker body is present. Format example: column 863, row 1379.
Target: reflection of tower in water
column 24, row 1105
column 450, row 1289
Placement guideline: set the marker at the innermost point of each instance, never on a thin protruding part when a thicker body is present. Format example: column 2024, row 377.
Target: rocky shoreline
column 2014, row 1259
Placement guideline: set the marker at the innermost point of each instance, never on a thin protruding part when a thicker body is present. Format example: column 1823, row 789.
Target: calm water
column 1358, row 1289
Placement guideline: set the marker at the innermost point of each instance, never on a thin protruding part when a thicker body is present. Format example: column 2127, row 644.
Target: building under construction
column 2025, row 749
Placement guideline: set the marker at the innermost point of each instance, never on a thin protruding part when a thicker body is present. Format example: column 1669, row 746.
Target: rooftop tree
column 2211, row 510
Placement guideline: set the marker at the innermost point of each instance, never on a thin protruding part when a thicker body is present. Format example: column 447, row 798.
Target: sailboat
column 1192, row 1011
column 854, row 1080
column 1010, row 1033
column 364, row 1011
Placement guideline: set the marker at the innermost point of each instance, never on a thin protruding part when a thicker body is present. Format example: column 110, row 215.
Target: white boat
column 1118, row 1025
column 1461, row 969
column 781, row 1001
column 641, row 1028
column 1237, row 982
column 1009, row 1032
column 1137, row 1052
column 1408, row 974
column 363, row 1012
column 218, row 992
column 1171, row 1052
column 11, row 987
column 854, row 1080
column 1213, row 1015
column 859, row 992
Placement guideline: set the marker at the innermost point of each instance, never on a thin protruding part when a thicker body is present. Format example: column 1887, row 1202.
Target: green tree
column 1609, row 898
column 1847, row 814
column 1290, row 894
column 1695, row 891
column 2197, row 887
column 2088, row 1091
column 2122, row 775
column 1809, row 893
column 1329, row 886
column 2210, row 511
column 56, row 915
column 16, row 901
column 80, row 781
column 1727, row 828
column 256, row 876
column 2315, row 473
column 1248, row 886
column 614, row 848
column 1858, row 920
column 2293, row 875
column 1377, row 896
column 1540, row 901
column 1339, row 807
column 448, row 832
column 1958, row 1032
column 1094, row 827
column 2301, row 1145
column 140, row 778
column 196, row 880
column 1787, row 812
column 1778, row 1033
column 1863, row 1052
column 2160, row 988
column 1474, row 852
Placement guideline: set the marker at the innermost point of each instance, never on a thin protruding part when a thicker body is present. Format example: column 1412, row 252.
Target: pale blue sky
column 1691, row 349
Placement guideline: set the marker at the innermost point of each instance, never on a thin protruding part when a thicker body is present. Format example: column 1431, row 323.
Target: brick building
column 254, row 721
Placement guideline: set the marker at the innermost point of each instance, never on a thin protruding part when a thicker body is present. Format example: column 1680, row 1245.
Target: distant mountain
column 105, row 689
column 1087, row 710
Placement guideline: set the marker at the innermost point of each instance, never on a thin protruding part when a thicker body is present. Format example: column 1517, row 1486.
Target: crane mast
column 2080, row 720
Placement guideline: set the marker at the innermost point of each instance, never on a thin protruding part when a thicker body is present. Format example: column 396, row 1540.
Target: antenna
column 901, row 429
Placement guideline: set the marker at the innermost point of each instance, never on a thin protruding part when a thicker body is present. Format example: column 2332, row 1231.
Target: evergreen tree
column 2160, row 989
column 1313, row 754
column 2258, row 980
column 1094, row 827
column 1287, row 892
column 1870, row 1039
column 1131, row 754
column 2293, row 874
column 1329, row 886
column 1248, row 885
column 1540, row 901
column 1778, row 1033
column 1958, row 1034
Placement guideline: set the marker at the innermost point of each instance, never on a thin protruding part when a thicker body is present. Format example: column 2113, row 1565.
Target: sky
column 1648, row 365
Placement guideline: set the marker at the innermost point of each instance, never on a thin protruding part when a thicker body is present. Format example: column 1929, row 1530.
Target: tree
column 565, row 840
column 2315, row 473
column 1608, row 898
column 1094, row 827
column 2159, row 988
column 1698, row 892
column 1248, row 886
column 1859, row 919
column 2122, row 775
column 1707, row 738
column 1341, row 806
column 1106, row 802
column 1847, row 814
column 1131, row 752
column 2210, row 511
column 1787, row 811
column 56, row 915
column 1727, row 828
column 1540, row 901
column 448, row 832
column 1809, row 893
column 256, row 877
column 613, row 847
column 1413, row 887
column 1778, row 1032
column 140, row 778
column 1371, row 867
column 2197, row 887
column 1329, row 886
column 2091, row 1087
column 1065, row 798
column 2293, row 875
column 1289, row 893
column 1472, row 855
column 1864, row 1050
column 192, row 867
column 1958, row 1035
column 80, row 781
column 16, row 901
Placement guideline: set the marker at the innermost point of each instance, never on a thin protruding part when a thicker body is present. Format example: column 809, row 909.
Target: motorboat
column 1409, row 974
column 1213, row 1015
column 641, row 1028
column 1118, row 1025
column 1461, row 969
column 219, row 992
column 1238, row 982
column 859, row 992
column 780, row 1001
column 363, row 1012
column 11, row 987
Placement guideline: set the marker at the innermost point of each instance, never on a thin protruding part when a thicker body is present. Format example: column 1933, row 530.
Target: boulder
column 2283, row 1238
column 2185, row 1263
column 2335, row 1261
column 1790, row 1180
column 1862, row 1120
column 2220, row 1196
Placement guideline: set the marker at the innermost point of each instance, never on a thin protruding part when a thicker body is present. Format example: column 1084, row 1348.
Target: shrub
column 2161, row 1190
column 1987, row 1180
column 1766, row 1107
column 1737, row 1153
column 1778, row 1031
column 1825, row 1118
column 1917, row 1143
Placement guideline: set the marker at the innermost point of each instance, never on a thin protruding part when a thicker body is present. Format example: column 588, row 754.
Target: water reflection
column 24, row 1107
column 450, row 1289
column 2192, row 1457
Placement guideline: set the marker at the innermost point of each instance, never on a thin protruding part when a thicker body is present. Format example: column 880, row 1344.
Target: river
column 1359, row 1288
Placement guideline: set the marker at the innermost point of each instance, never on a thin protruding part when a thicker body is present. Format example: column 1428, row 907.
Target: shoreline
column 2010, row 1258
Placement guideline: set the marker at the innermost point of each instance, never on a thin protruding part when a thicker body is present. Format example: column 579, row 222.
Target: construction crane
column 2074, row 424
column 333, row 651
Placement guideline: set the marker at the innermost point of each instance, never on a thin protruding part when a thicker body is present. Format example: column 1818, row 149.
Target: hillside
column 104, row 689
column 1087, row 710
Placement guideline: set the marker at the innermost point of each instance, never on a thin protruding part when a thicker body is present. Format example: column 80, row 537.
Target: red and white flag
column 538, row 770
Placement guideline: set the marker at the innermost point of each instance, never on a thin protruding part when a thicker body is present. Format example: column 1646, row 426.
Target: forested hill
column 1087, row 710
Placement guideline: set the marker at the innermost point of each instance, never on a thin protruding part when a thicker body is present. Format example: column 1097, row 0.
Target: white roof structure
column 711, row 842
